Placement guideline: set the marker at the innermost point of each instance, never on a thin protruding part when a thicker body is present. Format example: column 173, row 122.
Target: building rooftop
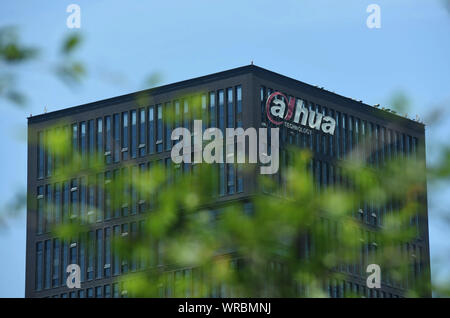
column 259, row 71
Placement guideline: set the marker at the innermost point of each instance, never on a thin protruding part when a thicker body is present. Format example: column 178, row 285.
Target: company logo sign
column 292, row 112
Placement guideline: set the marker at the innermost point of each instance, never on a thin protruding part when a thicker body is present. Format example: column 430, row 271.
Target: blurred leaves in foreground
column 293, row 237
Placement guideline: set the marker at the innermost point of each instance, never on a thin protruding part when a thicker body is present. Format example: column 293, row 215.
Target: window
column 83, row 142
column 92, row 188
column 83, row 199
column 91, row 253
column 124, row 264
column 263, row 104
column 204, row 113
column 91, row 140
column 116, row 133
column 133, row 134
column 338, row 136
column 142, row 205
column 57, row 204
column 116, row 267
column 98, row 292
column 116, row 197
column 41, row 155
column 74, row 199
column 186, row 114
column 134, row 195
column 56, row 270
column 168, row 123
column 47, row 264
column 100, row 138
column 40, row 210
column 82, row 260
column 48, row 155
column 39, row 266
column 75, row 139
column 90, row 293
column 239, row 115
column 126, row 191
column 221, row 110
column 116, row 290
column 344, row 135
column 108, row 142
column 151, row 130
column 133, row 229
column 221, row 178
column 107, row 267
column 107, row 189
column 73, row 253
column 99, row 252
column 159, row 128
column 212, row 109
column 65, row 255
column 142, row 132
column 107, row 291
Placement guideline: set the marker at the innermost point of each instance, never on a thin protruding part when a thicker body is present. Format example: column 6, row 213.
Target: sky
column 320, row 42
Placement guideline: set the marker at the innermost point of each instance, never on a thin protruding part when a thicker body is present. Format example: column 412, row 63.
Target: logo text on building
column 280, row 109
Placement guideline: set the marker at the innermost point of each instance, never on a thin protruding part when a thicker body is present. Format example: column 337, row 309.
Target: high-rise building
column 125, row 131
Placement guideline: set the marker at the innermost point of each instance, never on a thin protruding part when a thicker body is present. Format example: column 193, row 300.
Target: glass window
column 116, row 133
column 74, row 199
column 142, row 205
column 99, row 252
column 57, row 204
column 91, row 253
column 107, row 190
column 116, row 290
column 263, row 104
column 134, row 195
column 204, row 113
column 126, row 191
column 221, row 178
column 159, row 128
column 230, row 108
column 41, row 155
column 107, row 268
column 83, row 199
column 212, row 109
column 142, row 132
column 107, row 291
column 98, row 292
column 116, row 267
column 48, row 155
column 116, row 197
column 40, row 210
column 167, row 121
column 186, row 114
column 83, row 142
column 133, row 134
column 90, row 293
column 65, row 255
column 100, row 138
column 221, row 110
column 75, row 138
column 108, row 143
column 48, row 261
column 133, row 230
column 56, row 270
column 124, row 259
column 91, row 140
column 151, row 130
column 82, row 260
column 73, row 253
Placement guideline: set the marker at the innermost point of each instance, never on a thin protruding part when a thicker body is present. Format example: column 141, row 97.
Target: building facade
column 125, row 131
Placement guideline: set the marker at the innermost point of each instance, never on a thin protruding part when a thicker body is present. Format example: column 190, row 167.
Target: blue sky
column 321, row 42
